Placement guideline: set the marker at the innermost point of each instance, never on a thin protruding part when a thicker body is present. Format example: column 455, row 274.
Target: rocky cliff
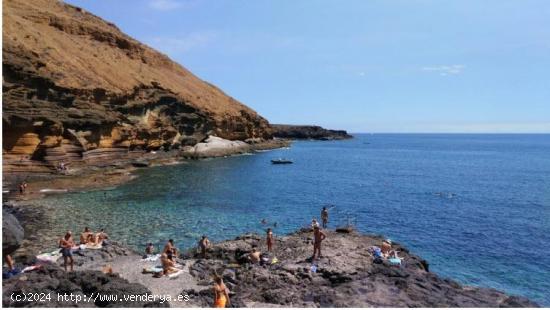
column 308, row 132
column 77, row 89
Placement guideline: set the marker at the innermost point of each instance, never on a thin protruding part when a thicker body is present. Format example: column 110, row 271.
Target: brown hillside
column 74, row 83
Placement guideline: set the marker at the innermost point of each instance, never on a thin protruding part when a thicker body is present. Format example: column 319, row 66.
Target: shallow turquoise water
column 477, row 207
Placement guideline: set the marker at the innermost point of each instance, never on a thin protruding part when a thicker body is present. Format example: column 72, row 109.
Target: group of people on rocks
column 87, row 237
column 170, row 252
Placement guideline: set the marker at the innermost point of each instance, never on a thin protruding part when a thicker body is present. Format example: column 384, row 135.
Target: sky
column 363, row 66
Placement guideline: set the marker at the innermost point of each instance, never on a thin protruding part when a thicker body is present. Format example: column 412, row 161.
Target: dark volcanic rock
column 345, row 277
column 12, row 233
column 308, row 132
column 92, row 288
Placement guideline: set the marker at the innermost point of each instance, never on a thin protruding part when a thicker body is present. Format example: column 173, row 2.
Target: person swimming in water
column 269, row 239
column 66, row 244
column 221, row 298
column 318, row 237
column 204, row 244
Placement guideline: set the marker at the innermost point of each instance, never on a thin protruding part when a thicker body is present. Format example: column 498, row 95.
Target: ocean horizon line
column 449, row 133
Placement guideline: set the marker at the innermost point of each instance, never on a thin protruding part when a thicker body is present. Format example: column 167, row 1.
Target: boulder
column 92, row 288
column 12, row 233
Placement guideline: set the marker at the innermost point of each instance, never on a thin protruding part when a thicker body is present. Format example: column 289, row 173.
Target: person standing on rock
column 204, row 244
column 318, row 237
column 324, row 217
column 269, row 240
column 66, row 243
column 221, row 298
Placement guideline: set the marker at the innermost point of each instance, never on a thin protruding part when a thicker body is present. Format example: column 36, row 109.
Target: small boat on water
column 280, row 161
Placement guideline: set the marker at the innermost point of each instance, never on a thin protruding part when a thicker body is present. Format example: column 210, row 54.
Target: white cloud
column 182, row 44
column 445, row 70
column 166, row 5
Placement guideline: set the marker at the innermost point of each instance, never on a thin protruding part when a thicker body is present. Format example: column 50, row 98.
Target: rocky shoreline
column 109, row 173
column 345, row 276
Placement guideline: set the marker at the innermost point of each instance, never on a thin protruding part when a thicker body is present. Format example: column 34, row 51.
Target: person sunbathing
column 170, row 248
column 85, row 235
column 92, row 239
column 386, row 247
column 254, row 256
column 394, row 254
column 101, row 236
column 168, row 265
column 394, row 259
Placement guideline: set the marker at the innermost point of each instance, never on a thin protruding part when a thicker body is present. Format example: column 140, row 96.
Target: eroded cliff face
column 78, row 89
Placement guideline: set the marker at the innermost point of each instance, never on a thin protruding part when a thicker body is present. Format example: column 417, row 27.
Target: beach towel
column 394, row 261
column 152, row 269
column 31, row 268
column 274, row 260
column 175, row 274
column 151, row 258
column 50, row 257
column 93, row 247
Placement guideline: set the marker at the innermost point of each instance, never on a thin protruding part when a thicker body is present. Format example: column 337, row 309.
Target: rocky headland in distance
column 308, row 132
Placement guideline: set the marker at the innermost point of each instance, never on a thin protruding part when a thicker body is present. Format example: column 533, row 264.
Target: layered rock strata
column 77, row 90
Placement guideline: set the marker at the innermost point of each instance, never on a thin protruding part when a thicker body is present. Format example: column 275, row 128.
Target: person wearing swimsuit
column 220, row 292
column 269, row 240
column 318, row 236
column 169, row 247
column 204, row 244
column 324, row 217
column 168, row 265
column 85, row 235
column 66, row 243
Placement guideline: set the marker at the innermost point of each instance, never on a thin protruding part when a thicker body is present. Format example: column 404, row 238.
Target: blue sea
column 477, row 207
